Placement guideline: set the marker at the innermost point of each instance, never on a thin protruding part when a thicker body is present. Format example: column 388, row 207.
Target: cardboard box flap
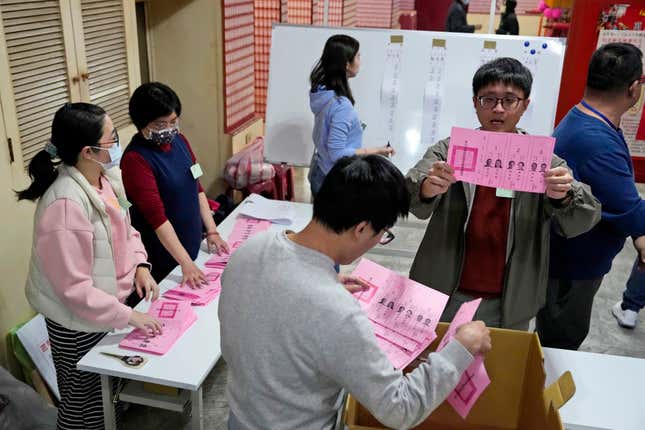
column 559, row 392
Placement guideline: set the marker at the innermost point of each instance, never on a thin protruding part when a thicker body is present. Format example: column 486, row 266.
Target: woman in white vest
column 86, row 257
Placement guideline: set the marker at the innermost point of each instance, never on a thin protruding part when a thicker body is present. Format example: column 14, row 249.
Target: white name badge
column 507, row 194
column 196, row 170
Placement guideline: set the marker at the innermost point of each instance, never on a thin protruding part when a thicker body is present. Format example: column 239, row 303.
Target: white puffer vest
column 71, row 184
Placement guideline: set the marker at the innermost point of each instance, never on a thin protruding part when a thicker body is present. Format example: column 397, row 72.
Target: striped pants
column 81, row 405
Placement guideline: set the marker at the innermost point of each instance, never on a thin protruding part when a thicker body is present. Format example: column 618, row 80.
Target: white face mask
column 115, row 155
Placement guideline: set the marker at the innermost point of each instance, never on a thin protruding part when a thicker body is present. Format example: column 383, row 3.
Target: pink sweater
column 65, row 248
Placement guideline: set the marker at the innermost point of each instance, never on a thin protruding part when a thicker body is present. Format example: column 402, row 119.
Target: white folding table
column 609, row 389
column 187, row 363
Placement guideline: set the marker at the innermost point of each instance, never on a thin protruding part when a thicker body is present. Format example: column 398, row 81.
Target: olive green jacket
column 439, row 259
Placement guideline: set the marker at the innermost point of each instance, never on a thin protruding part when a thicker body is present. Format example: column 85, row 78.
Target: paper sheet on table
column 245, row 228
column 502, row 160
column 35, row 339
column 198, row 296
column 276, row 211
column 475, row 379
column 175, row 316
column 242, row 230
column 404, row 313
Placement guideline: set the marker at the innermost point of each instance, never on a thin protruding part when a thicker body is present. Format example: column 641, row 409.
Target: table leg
column 197, row 422
column 108, row 407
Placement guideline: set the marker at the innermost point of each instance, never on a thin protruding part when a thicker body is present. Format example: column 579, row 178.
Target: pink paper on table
column 176, row 317
column 403, row 312
column 511, row 161
column 475, row 379
column 198, row 296
column 243, row 229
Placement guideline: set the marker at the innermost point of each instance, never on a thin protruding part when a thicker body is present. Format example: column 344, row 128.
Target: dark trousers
column 634, row 295
column 564, row 320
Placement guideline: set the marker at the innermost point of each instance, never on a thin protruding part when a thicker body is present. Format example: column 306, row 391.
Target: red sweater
column 141, row 184
column 486, row 240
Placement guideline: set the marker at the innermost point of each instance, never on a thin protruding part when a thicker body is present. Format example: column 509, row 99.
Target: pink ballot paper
column 242, row 230
column 475, row 379
column 198, row 296
column 404, row 313
column 176, row 317
column 245, row 228
column 503, row 160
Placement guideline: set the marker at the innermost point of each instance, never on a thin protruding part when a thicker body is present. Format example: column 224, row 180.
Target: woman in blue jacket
column 337, row 131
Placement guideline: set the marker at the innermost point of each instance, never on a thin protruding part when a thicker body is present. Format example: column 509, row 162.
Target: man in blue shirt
column 593, row 145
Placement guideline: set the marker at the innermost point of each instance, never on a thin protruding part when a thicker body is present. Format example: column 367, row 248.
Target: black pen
column 388, row 146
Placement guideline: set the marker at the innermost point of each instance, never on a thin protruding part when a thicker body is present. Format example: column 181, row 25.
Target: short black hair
column 361, row 188
column 151, row 101
column 506, row 70
column 614, row 67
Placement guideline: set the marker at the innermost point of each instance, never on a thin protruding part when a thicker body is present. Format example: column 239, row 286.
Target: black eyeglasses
column 115, row 139
column 508, row 102
column 387, row 237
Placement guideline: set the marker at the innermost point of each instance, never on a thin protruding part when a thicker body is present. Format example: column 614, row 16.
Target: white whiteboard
column 295, row 49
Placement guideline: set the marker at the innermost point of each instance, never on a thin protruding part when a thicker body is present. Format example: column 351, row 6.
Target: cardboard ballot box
column 515, row 399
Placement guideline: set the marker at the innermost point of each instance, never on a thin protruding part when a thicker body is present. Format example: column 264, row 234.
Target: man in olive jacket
column 488, row 243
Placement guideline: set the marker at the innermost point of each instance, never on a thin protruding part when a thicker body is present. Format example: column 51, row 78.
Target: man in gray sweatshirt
column 293, row 336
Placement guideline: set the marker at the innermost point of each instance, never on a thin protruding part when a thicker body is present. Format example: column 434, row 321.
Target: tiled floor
column 605, row 336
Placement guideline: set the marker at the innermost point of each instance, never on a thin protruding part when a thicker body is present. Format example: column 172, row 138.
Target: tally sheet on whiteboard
column 391, row 88
column 403, row 313
column 511, row 161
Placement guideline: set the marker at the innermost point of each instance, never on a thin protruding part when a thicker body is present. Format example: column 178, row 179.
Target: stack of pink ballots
column 176, row 317
column 243, row 229
column 404, row 313
column 198, row 296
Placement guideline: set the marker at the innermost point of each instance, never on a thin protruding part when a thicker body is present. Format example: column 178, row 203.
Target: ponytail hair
column 75, row 126
column 331, row 69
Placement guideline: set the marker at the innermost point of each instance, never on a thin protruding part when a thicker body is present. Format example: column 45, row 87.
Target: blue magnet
column 527, row 43
column 544, row 45
column 532, row 51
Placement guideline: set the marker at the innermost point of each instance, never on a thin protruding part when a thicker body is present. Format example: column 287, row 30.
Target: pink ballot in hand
column 511, row 161
column 403, row 312
column 176, row 317
column 471, row 385
column 475, row 379
column 465, row 314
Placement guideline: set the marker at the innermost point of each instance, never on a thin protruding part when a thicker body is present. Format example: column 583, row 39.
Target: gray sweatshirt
column 293, row 338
